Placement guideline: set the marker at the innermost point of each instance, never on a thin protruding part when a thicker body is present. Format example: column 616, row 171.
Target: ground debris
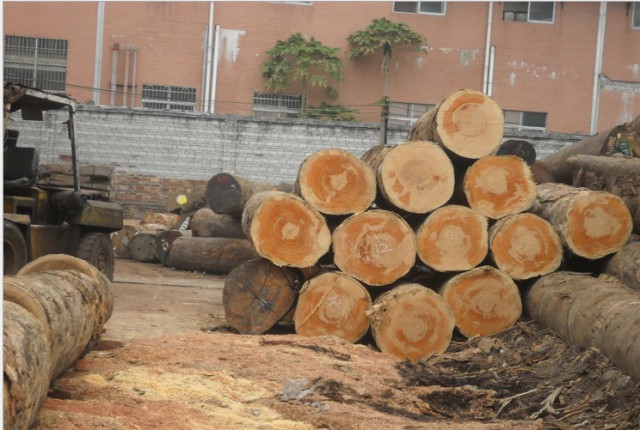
column 525, row 373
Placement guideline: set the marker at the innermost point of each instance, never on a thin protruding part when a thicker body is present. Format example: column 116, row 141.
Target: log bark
column 616, row 175
column 468, row 123
column 167, row 219
column 625, row 264
column 497, row 186
column 376, row 247
column 592, row 224
column 411, row 322
column 285, row 229
column 590, row 312
column 257, row 294
column 121, row 238
column 335, row 182
column 519, row 148
column 453, row 238
column 525, row 246
column 484, row 300
column 141, row 246
column 333, row 303
column 206, row 223
column 414, row 176
column 541, row 173
column 163, row 243
column 210, row 254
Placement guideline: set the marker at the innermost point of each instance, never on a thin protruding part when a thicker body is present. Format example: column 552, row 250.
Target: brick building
column 571, row 67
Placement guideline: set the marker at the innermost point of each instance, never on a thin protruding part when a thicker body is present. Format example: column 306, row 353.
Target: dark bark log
column 625, row 264
column 206, row 223
column 520, row 148
column 210, row 254
column 141, row 246
column 162, row 244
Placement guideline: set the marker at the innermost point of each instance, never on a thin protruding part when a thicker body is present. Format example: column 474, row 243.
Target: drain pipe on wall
column 595, row 103
column 97, row 66
column 115, row 52
column 487, row 51
column 214, row 80
column 207, row 73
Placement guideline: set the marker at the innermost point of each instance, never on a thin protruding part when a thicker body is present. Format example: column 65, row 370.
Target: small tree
column 298, row 60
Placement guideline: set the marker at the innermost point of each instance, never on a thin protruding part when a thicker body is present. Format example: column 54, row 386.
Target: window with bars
column 426, row 7
column 529, row 11
column 168, row 97
column 36, row 62
column 406, row 113
column 277, row 105
column 525, row 120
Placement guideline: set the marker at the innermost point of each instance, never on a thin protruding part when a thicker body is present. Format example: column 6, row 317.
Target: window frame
column 410, row 109
column 169, row 104
column 49, row 59
column 443, row 13
column 279, row 109
column 520, row 125
column 634, row 12
column 533, row 21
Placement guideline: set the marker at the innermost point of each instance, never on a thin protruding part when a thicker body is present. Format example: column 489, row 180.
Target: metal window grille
column 36, row 62
column 168, row 97
column 528, row 11
column 406, row 113
column 424, row 7
column 277, row 105
column 521, row 120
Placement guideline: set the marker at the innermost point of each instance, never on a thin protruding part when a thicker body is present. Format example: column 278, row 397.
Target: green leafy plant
column 330, row 112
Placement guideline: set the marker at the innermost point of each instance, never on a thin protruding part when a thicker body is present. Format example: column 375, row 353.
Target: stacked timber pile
column 96, row 180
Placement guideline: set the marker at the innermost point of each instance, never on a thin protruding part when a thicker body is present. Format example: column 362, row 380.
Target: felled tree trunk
column 592, row 224
column 335, row 304
column 285, row 229
column 210, row 254
column 468, row 123
column 590, row 312
column 257, row 294
column 167, row 219
column 625, row 264
column 206, row 223
column 519, row 148
column 525, row 246
column 411, row 322
column 336, row 182
column 163, row 243
column 453, row 238
column 120, row 239
column 376, row 247
column 415, row 177
column 141, row 246
column 484, row 301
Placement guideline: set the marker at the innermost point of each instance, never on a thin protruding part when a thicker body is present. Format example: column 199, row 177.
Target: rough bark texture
column 206, row 223
column 210, row 254
column 592, row 224
column 411, row 322
column 484, row 300
column 163, row 242
column 121, row 238
column 590, row 312
column 453, row 238
column 625, row 264
column 335, row 304
column 141, row 246
column 285, row 229
column 541, row 173
column 336, row 182
column 520, row 148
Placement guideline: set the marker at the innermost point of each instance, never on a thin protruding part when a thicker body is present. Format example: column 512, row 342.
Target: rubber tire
column 15, row 248
column 96, row 249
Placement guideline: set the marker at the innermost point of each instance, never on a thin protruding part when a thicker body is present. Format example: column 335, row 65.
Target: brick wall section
column 156, row 154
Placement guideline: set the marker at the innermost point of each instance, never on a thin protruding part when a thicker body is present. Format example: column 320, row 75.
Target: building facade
column 570, row 67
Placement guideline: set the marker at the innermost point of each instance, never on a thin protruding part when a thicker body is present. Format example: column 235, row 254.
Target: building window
column 406, row 113
column 36, row 62
column 525, row 120
column 277, row 105
column 427, row 7
column 635, row 19
column 168, row 97
column 529, row 11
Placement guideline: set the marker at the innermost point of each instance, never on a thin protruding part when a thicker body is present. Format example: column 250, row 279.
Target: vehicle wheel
column 15, row 248
column 96, row 248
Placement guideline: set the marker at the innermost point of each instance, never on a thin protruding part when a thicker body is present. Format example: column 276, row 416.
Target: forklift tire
column 15, row 248
column 96, row 249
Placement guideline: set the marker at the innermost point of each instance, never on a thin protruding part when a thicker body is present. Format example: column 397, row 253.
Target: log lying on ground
column 120, row 239
column 167, row 219
column 525, row 246
column 257, row 294
column 453, row 238
column 484, row 300
column 616, row 175
column 592, row 224
column 285, row 229
column 336, row 182
column 497, row 186
column 206, row 223
column 625, row 264
column 467, row 122
column 163, row 243
column 415, row 177
column 376, row 247
column 519, row 148
column 141, row 246
column 411, row 322
column 335, row 304
column 210, row 254
column 590, row 312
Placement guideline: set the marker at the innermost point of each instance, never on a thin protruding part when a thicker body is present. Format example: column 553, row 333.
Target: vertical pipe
column 598, row 68
column 204, row 67
column 114, row 72
column 74, row 149
column 214, row 80
column 127, row 54
column 492, row 62
column 133, row 77
column 487, row 49
column 97, row 65
column 209, row 47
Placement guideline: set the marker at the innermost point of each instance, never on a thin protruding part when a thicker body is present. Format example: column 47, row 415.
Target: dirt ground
column 167, row 361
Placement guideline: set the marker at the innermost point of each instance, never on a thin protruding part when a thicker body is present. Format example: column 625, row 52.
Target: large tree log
column 335, row 304
column 625, row 264
column 519, row 148
column 592, row 224
column 616, row 175
column 525, row 246
column 257, row 294
column 453, row 238
column 335, row 182
column 210, row 254
column 285, row 229
column 411, row 322
column 141, row 246
column 467, row 122
column 590, row 312
column 206, row 223
column 163, row 243
column 376, row 247
column 120, row 239
column 497, row 186
column 169, row 220
column 484, row 300
column 415, row 177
